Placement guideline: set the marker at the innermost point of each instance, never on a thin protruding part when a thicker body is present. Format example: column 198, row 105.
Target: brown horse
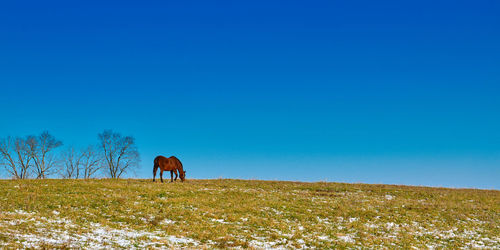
column 171, row 164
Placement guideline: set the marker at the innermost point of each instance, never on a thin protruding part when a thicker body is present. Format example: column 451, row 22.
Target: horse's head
column 183, row 175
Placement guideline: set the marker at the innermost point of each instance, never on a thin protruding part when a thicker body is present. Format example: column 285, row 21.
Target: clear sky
column 404, row 92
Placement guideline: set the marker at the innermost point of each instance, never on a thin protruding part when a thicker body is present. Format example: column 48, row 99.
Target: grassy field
column 238, row 213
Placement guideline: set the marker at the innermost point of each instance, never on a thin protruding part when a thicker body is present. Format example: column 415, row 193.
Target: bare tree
column 71, row 163
column 80, row 163
column 8, row 162
column 23, row 157
column 41, row 150
column 120, row 153
column 15, row 157
column 90, row 162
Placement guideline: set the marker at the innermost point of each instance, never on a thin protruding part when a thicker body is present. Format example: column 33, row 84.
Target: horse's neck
column 179, row 167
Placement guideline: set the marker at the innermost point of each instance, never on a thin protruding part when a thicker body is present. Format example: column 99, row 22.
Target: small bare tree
column 71, row 163
column 80, row 163
column 41, row 150
column 23, row 157
column 15, row 157
column 90, row 162
column 8, row 162
column 120, row 153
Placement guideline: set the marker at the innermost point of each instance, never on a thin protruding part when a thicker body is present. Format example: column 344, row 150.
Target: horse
column 171, row 164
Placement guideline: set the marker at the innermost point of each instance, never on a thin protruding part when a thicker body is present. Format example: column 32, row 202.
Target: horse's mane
column 178, row 161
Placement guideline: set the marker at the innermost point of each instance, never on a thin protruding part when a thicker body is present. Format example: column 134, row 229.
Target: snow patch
column 346, row 238
column 167, row 222
column 219, row 220
column 353, row 219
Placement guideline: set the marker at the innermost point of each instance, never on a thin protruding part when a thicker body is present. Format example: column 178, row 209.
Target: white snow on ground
column 166, row 222
column 370, row 225
column 100, row 237
column 323, row 220
column 55, row 232
column 347, row 238
column 20, row 212
column 390, row 225
column 263, row 243
column 219, row 220
column 64, row 232
column 324, row 238
column 351, row 220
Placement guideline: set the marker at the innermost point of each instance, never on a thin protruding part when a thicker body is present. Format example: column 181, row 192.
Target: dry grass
column 239, row 213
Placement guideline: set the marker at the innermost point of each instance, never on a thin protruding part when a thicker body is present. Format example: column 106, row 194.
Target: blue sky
column 348, row 91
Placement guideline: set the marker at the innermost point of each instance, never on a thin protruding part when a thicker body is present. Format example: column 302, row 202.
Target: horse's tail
column 156, row 164
column 155, row 167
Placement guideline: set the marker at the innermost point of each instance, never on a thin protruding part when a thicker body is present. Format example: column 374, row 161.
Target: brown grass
column 239, row 213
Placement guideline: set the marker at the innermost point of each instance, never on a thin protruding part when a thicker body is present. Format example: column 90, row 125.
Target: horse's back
column 169, row 163
column 158, row 159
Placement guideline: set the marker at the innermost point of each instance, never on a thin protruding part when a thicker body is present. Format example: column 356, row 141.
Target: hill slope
column 230, row 213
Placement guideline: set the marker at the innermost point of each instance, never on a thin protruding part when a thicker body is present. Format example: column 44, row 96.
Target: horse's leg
column 161, row 175
column 175, row 172
column 171, row 176
column 154, row 172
